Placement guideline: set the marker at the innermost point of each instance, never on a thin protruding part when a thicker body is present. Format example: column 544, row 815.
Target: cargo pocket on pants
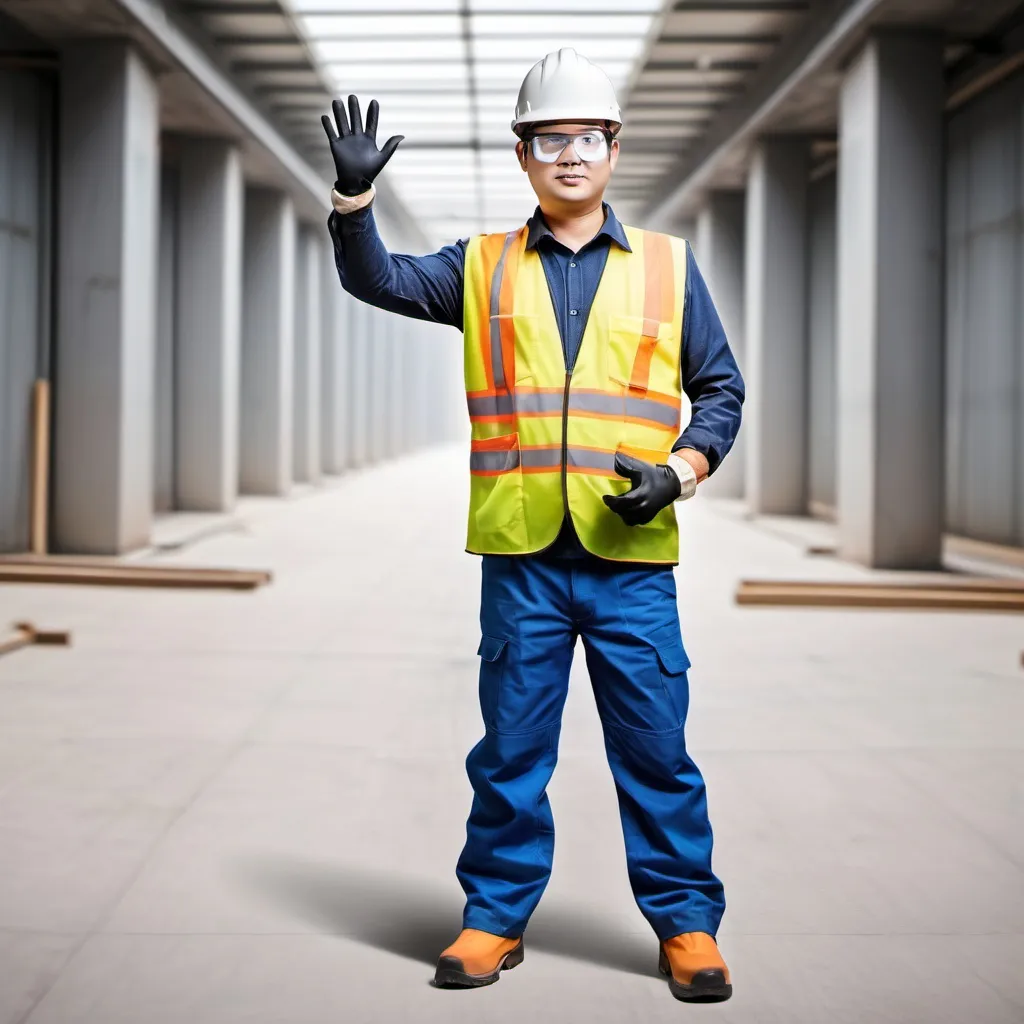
column 673, row 663
column 492, row 668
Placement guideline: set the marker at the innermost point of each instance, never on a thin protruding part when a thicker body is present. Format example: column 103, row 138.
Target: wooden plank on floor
column 964, row 594
column 129, row 574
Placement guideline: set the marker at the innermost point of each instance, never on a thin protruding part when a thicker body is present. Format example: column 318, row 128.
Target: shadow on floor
column 416, row 918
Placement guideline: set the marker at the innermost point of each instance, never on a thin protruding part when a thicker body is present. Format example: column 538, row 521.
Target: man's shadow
column 414, row 918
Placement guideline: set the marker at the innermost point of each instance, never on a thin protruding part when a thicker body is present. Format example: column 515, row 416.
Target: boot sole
column 449, row 973
column 707, row 986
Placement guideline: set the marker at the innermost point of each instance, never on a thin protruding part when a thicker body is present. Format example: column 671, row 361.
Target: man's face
column 569, row 180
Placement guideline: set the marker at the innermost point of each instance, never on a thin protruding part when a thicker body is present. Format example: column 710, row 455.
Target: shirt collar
column 537, row 228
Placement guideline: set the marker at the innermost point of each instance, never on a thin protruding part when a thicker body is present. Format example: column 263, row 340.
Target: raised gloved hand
column 357, row 160
column 654, row 488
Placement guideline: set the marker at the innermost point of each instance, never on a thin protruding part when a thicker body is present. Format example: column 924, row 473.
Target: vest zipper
column 565, row 458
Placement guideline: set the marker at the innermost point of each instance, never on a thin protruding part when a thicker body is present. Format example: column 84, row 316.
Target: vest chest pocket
column 640, row 354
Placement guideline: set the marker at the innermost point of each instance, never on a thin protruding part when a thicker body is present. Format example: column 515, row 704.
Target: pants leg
column 638, row 668
column 526, row 652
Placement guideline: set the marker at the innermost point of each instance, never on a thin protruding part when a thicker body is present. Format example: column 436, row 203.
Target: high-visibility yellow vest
column 544, row 440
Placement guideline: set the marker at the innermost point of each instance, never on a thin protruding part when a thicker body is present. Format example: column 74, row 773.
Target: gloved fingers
column 341, row 117
column 627, row 466
column 389, row 148
column 639, row 512
column 332, row 135
column 626, row 502
column 354, row 115
column 372, row 113
column 617, row 502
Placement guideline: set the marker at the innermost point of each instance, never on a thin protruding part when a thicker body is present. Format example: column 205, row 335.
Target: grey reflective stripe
column 648, row 409
column 494, row 462
column 584, row 459
column 495, row 324
column 528, row 402
column 551, row 403
column 541, row 458
column 623, row 405
column 490, row 405
column 537, row 458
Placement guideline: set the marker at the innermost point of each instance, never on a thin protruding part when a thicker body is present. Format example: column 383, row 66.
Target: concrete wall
column 25, row 181
column 985, row 317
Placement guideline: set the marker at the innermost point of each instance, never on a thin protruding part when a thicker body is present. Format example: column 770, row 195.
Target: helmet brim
column 521, row 127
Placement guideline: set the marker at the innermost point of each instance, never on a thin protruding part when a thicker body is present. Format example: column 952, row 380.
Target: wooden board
column 126, row 574
column 964, row 595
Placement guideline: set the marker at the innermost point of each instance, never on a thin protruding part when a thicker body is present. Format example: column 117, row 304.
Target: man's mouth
column 572, row 177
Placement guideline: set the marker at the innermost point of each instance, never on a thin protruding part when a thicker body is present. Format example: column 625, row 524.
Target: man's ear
column 521, row 154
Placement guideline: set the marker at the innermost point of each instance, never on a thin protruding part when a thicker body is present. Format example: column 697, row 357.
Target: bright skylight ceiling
column 446, row 74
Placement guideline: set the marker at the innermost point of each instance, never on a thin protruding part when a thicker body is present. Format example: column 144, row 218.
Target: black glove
column 654, row 488
column 356, row 157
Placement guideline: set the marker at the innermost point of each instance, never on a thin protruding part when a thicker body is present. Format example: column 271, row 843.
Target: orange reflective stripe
column 506, row 307
column 490, row 254
column 659, row 299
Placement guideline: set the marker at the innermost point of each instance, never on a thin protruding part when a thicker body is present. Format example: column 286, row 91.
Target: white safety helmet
column 565, row 86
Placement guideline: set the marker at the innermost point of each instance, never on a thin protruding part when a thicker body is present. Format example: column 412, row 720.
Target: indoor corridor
column 220, row 807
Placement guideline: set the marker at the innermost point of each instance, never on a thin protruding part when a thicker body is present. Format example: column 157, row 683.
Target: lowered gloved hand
column 654, row 488
column 357, row 160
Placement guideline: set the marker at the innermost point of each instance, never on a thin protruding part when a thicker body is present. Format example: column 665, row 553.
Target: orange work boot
column 696, row 971
column 477, row 958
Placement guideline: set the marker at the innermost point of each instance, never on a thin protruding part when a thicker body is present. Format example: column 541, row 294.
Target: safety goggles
column 590, row 146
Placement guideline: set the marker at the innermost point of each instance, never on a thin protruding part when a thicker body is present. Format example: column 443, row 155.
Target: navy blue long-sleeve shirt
column 431, row 288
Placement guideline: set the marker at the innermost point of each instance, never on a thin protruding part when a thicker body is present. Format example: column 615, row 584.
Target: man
column 581, row 336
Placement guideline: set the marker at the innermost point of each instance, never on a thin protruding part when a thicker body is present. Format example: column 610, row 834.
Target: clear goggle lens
column 589, row 146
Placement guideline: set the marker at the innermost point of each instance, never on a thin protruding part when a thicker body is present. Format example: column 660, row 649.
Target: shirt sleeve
column 710, row 377
column 423, row 287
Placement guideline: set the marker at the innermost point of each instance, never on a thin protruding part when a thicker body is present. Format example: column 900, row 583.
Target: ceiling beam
column 833, row 25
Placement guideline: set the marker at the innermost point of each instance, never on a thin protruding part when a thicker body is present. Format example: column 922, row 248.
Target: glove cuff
column 349, row 204
column 687, row 476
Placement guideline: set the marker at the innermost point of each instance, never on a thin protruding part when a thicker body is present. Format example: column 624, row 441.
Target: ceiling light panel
column 586, row 8
column 568, row 26
column 401, row 71
column 354, row 27
column 391, row 50
column 386, row 8
column 532, row 47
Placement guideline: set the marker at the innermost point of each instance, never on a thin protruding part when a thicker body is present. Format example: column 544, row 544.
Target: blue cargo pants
column 531, row 614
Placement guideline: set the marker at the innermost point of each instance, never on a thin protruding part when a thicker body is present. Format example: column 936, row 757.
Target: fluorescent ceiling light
column 387, row 8
column 355, row 26
column 390, row 50
column 382, row 72
column 586, row 7
column 622, row 26
column 533, row 48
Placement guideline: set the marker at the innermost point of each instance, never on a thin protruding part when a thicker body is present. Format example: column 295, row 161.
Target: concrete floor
column 229, row 807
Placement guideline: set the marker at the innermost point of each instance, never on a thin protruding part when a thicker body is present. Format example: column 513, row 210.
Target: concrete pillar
column 719, row 252
column 335, row 383
column 358, row 391
column 308, row 364
column 109, row 177
column 775, row 335
column 163, row 370
column 401, row 350
column 209, row 325
column 382, row 384
column 268, row 337
column 890, row 321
